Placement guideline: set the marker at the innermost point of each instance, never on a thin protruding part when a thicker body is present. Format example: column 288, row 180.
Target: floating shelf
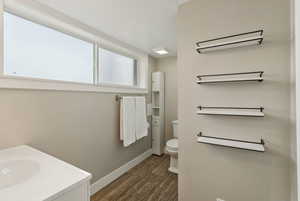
column 232, row 143
column 248, row 38
column 231, row 77
column 231, row 111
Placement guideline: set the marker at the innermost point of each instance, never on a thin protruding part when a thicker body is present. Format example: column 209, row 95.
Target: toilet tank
column 175, row 128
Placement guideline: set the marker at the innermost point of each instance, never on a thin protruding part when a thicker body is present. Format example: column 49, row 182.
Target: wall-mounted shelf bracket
column 231, row 77
column 231, row 111
column 232, row 143
column 247, row 38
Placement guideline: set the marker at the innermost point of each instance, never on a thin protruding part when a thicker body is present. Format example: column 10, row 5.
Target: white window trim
column 45, row 16
column 12, row 82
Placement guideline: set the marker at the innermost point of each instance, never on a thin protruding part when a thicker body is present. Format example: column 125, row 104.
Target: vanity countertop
column 27, row 174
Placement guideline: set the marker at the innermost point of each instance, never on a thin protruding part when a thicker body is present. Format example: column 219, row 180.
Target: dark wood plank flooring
column 148, row 181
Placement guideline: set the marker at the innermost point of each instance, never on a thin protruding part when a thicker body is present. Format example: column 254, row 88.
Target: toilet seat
column 172, row 145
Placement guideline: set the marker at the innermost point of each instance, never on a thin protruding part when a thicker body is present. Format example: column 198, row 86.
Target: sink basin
column 27, row 174
column 16, row 172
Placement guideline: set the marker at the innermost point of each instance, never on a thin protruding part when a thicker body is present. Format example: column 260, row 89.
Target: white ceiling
column 144, row 24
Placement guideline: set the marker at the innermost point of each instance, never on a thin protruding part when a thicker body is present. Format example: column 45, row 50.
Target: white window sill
column 13, row 82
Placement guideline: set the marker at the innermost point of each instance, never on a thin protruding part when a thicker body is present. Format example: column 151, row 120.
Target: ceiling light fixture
column 160, row 51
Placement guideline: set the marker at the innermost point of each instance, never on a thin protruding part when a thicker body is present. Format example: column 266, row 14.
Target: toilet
column 172, row 149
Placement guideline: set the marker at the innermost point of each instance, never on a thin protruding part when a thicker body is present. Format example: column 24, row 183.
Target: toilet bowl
column 172, row 149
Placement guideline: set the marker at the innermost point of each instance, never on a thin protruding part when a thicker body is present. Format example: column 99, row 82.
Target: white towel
column 127, row 121
column 141, row 124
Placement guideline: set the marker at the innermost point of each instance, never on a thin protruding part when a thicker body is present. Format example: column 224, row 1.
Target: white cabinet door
column 156, row 136
column 155, row 86
column 80, row 193
column 156, row 81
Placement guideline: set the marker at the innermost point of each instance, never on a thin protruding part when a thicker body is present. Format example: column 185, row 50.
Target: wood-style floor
column 148, row 181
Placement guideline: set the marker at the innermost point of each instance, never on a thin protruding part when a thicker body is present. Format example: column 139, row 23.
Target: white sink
column 27, row 174
column 16, row 172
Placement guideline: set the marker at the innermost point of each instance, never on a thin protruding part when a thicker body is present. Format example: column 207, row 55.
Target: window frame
column 44, row 16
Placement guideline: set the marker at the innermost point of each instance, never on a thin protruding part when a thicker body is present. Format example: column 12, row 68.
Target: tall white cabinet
column 158, row 113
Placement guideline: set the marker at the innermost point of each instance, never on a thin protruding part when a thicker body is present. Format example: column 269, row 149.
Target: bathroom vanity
column 31, row 175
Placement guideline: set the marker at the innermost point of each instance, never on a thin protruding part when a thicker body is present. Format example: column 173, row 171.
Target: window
column 35, row 51
column 41, row 56
column 116, row 68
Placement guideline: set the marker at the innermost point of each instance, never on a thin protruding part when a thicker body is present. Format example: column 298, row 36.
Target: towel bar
column 119, row 97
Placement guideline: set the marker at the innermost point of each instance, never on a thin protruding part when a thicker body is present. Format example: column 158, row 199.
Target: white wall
column 81, row 128
column 295, row 140
column 209, row 172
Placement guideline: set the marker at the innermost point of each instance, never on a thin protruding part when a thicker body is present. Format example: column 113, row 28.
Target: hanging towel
column 127, row 121
column 141, row 124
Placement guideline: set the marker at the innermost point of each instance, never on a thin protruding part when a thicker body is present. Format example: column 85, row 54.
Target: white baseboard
column 104, row 181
